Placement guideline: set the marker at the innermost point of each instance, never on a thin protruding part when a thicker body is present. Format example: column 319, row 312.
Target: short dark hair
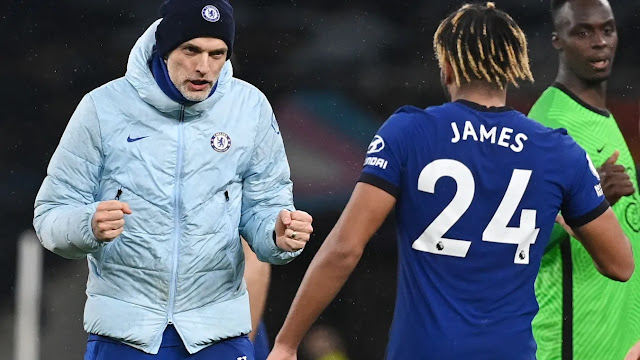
column 485, row 43
column 555, row 7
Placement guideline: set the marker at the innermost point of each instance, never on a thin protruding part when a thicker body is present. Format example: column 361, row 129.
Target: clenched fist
column 108, row 220
column 293, row 230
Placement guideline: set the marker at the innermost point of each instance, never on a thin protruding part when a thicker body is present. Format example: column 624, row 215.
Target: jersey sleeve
column 385, row 156
column 584, row 199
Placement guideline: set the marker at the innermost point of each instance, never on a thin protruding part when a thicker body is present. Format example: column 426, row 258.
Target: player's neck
column 592, row 93
column 488, row 97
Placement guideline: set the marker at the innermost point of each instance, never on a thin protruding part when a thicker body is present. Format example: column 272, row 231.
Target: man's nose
column 202, row 63
column 599, row 40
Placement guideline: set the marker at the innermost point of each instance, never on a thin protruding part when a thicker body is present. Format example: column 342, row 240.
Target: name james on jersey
column 469, row 133
column 489, row 135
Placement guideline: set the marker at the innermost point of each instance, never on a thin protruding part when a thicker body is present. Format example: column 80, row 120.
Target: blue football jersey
column 477, row 190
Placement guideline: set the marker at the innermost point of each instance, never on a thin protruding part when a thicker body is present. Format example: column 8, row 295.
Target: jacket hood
column 140, row 77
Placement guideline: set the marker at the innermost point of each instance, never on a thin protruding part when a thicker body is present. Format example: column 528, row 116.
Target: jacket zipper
column 227, row 205
column 176, row 217
column 227, row 216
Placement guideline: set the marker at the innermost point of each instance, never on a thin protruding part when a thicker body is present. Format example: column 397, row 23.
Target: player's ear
column 555, row 41
column 448, row 77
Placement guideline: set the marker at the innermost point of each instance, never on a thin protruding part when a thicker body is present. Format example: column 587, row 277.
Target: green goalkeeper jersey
column 595, row 317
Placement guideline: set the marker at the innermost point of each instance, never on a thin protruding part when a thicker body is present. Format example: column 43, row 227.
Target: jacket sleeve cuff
column 273, row 253
column 87, row 241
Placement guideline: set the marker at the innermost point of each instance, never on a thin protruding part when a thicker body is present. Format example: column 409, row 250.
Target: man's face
column 587, row 38
column 195, row 65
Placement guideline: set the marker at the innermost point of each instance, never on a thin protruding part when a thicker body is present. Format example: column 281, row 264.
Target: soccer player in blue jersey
column 477, row 187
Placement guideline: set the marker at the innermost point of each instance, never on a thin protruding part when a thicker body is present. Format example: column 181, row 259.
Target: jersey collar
column 483, row 108
column 575, row 98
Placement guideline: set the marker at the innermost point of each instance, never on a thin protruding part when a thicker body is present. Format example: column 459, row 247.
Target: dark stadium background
column 333, row 70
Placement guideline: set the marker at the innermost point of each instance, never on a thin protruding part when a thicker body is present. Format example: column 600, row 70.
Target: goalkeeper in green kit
column 584, row 315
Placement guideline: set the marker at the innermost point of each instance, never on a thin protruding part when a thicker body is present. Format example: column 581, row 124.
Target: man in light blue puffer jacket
column 155, row 178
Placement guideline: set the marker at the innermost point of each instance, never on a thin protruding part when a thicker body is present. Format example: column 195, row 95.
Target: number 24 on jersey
column 432, row 239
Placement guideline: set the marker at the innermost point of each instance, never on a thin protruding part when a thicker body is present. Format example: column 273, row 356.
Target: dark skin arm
column 338, row 256
column 607, row 244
